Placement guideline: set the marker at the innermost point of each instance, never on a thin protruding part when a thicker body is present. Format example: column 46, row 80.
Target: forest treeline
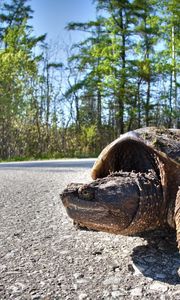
column 70, row 100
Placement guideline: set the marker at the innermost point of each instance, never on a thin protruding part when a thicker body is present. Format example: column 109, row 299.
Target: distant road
column 59, row 163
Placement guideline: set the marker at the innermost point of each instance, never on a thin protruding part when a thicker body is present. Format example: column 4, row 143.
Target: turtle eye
column 86, row 194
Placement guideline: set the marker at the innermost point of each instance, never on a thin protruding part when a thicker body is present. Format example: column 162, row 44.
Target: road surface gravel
column 43, row 256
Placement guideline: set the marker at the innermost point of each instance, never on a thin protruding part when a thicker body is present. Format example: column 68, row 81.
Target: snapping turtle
column 135, row 187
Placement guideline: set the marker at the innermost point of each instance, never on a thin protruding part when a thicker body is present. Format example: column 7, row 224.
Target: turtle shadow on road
column 159, row 259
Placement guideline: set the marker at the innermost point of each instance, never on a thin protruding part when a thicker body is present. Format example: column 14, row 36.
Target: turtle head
column 106, row 205
column 119, row 203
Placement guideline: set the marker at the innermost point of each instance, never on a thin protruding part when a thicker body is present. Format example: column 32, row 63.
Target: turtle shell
column 135, row 151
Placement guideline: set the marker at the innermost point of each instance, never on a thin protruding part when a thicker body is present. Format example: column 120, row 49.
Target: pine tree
column 89, row 62
column 17, row 13
column 170, row 33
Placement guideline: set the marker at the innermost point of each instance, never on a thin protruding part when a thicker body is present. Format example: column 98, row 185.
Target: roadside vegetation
column 60, row 100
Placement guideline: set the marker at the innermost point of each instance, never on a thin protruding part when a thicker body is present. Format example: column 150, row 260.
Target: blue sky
column 51, row 16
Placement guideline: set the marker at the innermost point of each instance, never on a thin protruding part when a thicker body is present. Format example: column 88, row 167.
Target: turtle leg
column 177, row 218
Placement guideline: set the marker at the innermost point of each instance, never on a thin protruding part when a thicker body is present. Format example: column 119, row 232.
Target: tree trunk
column 174, row 79
column 139, row 104
column 121, row 94
column 147, row 102
column 77, row 112
column 99, row 108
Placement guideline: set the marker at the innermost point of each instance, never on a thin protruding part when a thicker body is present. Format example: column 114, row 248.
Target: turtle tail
column 177, row 218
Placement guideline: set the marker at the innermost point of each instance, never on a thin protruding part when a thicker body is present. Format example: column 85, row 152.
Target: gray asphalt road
column 61, row 163
column 42, row 256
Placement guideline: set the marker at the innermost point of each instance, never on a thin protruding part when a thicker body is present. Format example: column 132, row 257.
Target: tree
column 118, row 26
column 14, row 14
column 19, row 69
column 147, row 29
column 170, row 33
column 17, row 66
column 88, row 62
